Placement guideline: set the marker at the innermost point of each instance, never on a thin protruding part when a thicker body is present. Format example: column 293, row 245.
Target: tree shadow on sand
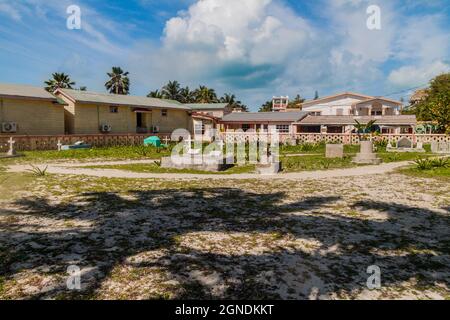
column 110, row 228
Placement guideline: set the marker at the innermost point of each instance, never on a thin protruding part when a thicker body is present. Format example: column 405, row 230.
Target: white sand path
column 78, row 169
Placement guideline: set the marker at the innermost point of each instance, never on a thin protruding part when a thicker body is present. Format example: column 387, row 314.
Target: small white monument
column 366, row 154
column 11, row 152
column 334, row 151
column 59, row 145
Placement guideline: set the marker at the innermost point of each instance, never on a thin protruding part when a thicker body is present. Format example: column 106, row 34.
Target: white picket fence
column 344, row 138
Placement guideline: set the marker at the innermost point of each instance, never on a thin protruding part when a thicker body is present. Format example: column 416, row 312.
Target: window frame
column 283, row 128
column 113, row 109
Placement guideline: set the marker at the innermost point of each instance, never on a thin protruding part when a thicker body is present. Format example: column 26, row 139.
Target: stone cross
column 221, row 144
column 11, row 151
column 59, row 145
column 188, row 142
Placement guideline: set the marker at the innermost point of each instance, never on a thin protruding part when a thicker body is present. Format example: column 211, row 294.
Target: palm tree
column 316, row 95
column 364, row 128
column 296, row 103
column 155, row 94
column 232, row 102
column 188, row 96
column 119, row 83
column 230, row 99
column 266, row 107
column 205, row 95
column 59, row 80
column 172, row 91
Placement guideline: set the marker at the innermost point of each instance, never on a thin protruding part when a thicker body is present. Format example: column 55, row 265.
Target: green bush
column 441, row 163
column 428, row 164
column 381, row 144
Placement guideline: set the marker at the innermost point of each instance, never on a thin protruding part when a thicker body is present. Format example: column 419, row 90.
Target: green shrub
column 38, row 171
column 440, row 163
column 381, row 144
column 325, row 164
column 428, row 164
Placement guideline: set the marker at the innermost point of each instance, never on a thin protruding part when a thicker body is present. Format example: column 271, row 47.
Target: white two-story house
column 337, row 114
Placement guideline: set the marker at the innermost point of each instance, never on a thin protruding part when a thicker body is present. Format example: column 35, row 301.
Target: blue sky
column 253, row 48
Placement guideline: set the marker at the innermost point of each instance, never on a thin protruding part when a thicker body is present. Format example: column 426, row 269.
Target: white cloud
column 254, row 48
column 412, row 76
column 252, row 31
column 10, row 11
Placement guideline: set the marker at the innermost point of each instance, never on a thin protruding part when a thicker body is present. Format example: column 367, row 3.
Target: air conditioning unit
column 9, row 127
column 105, row 128
column 155, row 129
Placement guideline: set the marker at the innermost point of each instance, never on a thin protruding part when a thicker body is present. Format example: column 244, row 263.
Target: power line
column 406, row 90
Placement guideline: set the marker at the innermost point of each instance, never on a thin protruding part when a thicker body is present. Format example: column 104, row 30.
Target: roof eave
column 6, row 96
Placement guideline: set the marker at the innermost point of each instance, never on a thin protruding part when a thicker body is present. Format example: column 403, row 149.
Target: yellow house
column 27, row 110
column 93, row 113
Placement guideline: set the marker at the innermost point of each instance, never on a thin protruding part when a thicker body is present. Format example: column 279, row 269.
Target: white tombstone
column 59, row 145
column 166, row 140
column 419, row 145
column 11, row 151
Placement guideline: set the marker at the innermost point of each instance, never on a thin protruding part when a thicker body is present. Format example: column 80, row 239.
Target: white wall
column 330, row 108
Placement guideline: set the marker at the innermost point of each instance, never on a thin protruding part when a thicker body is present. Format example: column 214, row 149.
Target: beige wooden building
column 93, row 113
column 27, row 110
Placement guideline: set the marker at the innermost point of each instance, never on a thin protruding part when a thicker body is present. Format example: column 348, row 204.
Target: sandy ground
column 77, row 169
column 227, row 239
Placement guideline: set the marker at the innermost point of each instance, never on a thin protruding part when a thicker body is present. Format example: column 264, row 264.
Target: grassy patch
column 11, row 183
column 440, row 173
column 153, row 168
column 113, row 153
column 402, row 156
column 2, row 285
column 315, row 162
column 312, row 148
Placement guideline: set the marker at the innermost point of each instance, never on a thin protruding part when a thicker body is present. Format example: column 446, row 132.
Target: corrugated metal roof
column 26, row 91
column 124, row 100
column 349, row 120
column 206, row 106
column 264, row 117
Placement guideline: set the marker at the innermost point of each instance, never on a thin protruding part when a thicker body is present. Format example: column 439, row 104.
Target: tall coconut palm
column 155, row 94
column 188, row 96
column 230, row 99
column 233, row 102
column 59, row 80
column 118, row 82
column 172, row 91
column 364, row 128
column 205, row 95
column 266, row 107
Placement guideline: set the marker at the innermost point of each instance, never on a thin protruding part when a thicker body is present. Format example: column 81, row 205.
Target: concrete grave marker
column 366, row 155
column 404, row 143
column 59, row 145
column 11, row 151
column 334, row 151
column 440, row 147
